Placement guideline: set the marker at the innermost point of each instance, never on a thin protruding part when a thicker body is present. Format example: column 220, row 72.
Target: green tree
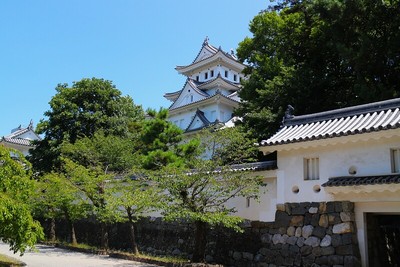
column 200, row 191
column 134, row 197
column 17, row 226
column 92, row 165
column 162, row 142
column 88, row 106
column 55, row 198
column 318, row 55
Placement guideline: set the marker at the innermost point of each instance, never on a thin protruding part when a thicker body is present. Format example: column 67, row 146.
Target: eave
column 329, row 141
column 219, row 82
column 218, row 58
column 217, row 98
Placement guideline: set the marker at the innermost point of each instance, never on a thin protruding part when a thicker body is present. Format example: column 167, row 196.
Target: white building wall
column 366, row 157
column 262, row 209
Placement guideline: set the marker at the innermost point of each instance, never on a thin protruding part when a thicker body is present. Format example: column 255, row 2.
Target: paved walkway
column 47, row 256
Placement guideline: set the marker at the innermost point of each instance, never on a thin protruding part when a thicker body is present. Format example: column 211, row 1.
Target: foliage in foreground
column 18, row 228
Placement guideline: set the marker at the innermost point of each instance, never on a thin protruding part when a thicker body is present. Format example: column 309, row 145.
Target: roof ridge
column 343, row 112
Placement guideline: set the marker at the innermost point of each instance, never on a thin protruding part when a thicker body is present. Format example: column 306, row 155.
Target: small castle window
column 197, row 78
column 311, row 169
column 395, row 159
column 206, row 75
column 212, row 73
column 226, row 74
column 235, row 77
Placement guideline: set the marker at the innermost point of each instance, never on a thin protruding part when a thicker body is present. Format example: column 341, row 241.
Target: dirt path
column 47, row 256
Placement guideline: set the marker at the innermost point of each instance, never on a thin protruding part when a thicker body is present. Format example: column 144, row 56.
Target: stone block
column 306, row 231
column 270, row 257
column 282, row 230
column 293, row 249
column 314, row 219
column 323, row 221
column 326, row 241
column 312, row 241
column 351, row 261
column 313, row 210
column 297, row 220
column 308, row 260
column 299, row 208
column 327, row 251
column 348, row 239
column 248, row 256
column 285, row 250
column 334, row 218
column 297, row 260
column 342, row 228
column 323, row 260
column 317, row 251
column 348, row 206
column 319, row 232
column 279, row 260
column 288, row 261
column 291, row 240
column 338, row 206
column 346, row 250
column 237, row 255
column 300, row 241
column 280, row 207
column 335, row 260
column 291, row 231
column 282, row 219
column 322, row 207
column 266, row 238
column 306, row 250
column 336, row 240
column 298, row 232
column 347, row 216
column 264, row 251
column 279, row 239
column 330, row 207
column 258, row 258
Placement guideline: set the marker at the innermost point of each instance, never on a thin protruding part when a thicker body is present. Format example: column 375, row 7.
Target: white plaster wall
column 368, row 157
column 264, row 209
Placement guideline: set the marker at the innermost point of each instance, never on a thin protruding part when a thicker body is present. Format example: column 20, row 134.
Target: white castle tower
column 210, row 92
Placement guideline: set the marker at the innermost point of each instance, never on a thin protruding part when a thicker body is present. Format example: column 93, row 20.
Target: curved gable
column 189, row 94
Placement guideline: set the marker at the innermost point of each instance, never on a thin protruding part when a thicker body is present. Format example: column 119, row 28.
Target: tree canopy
column 81, row 110
column 17, row 226
column 318, row 55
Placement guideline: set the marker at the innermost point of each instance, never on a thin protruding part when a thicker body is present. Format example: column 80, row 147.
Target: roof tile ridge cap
column 347, row 111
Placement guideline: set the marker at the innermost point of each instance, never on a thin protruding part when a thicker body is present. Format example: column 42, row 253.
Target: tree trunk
column 200, row 242
column 52, row 230
column 134, row 246
column 104, row 236
column 73, row 236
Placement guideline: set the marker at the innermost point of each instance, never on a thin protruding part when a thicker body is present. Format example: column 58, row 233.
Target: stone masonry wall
column 303, row 234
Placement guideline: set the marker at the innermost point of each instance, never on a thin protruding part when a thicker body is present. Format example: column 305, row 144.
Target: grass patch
column 6, row 261
column 165, row 259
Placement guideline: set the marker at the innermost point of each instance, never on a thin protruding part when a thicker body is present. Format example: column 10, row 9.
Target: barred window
column 395, row 159
column 311, row 169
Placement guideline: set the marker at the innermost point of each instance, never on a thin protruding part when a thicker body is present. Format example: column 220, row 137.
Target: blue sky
column 136, row 44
